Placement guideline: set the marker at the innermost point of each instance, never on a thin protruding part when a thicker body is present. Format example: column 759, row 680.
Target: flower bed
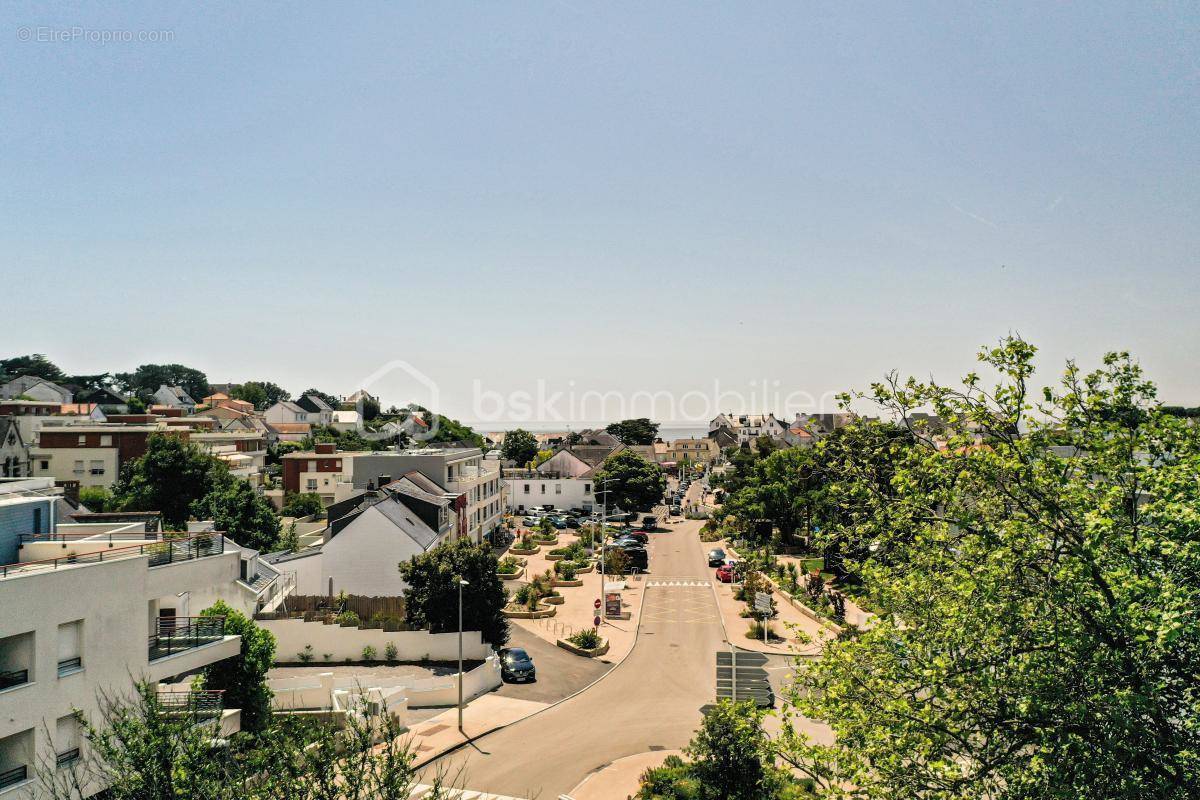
column 516, row 551
column 586, row 643
column 512, row 576
column 575, row 582
column 523, row 612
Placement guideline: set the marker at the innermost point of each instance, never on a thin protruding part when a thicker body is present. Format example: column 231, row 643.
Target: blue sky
column 619, row 197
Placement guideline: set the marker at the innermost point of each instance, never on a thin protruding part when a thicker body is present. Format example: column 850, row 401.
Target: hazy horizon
column 610, row 199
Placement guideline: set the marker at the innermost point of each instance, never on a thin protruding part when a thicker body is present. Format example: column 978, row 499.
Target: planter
column 516, row 551
column 557, row 582
column 541, row 613
column 552, row 557
column 588, row 568
column 579, row 651
column 511, row 576
column 554, row 600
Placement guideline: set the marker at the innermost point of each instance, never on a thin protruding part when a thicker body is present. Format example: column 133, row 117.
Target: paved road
column 559, row 673
column 650, row 701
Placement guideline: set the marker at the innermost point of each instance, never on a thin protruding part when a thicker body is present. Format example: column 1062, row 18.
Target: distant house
column 319, row 412
column 361, row 396
column 91, row 411
column 35, row 388
column 347, row 421
column 288, row 431
column 222, row 400
column 14, row 453
column 174, row 397
column 748, row 427
column 286, row 412
column 108, row 400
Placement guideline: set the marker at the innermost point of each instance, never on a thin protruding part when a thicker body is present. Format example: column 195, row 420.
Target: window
column 527, row 488
column 70, row 648
column 16, row 759
column 82, row 439
column 66, row 740
column 587, row 488
column 543, row 488
column 78, row 470
column 37, row 520
column 311, row 484
column 558, row 488
column 97, row 467
column 106, row 441
column 312, row 466
column 45, row 464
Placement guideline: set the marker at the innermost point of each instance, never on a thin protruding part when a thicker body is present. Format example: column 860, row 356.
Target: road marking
column 677, row 583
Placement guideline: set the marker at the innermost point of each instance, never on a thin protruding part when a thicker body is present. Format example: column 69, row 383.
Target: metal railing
column 114, row 536
column 177, row 634
column 69, row 665
column 202, row 704
column 11, row 777
column 14, row 677
column 167, row 551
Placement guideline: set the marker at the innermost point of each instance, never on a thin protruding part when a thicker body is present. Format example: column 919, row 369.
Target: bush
column 348, row 619
column 509, row 565
column 522, row 595
column 96, row 498
column 305, row 655
column 526, row 543
column 588, row 639
column 368, row 653
column 755, row 631
column 565, row 570
column 390, row 653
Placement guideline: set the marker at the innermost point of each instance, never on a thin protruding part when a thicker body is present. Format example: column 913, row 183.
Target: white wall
column 397, row 691
column 560, row 492
column 291, row 635
column 365, row 557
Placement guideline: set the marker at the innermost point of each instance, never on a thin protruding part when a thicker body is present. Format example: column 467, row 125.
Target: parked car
column 530, row 522
column 638, row 557
column 716, row 557
column 572, row 522
column 559, row 522
column 725, row 573
column 637, row 536
column 676, row 510
column 516, row 666
column 649, row 522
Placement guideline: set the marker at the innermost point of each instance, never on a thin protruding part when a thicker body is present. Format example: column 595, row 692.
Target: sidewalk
column 791, row 623
column 435, row 736
column 619, row 779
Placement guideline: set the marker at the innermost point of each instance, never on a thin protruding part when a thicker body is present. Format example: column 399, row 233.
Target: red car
column 725, row 573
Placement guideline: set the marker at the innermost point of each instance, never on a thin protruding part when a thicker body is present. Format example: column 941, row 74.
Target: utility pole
column 603, row 545
column 461, row 584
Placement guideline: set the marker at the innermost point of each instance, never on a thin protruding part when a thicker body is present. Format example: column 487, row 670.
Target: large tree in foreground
column 431, row 597
column 1038, row 634
column 636, row 484
column 169, row 477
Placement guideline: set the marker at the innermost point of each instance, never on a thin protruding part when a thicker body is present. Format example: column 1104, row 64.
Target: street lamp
column 461, row 584
column 603, row 545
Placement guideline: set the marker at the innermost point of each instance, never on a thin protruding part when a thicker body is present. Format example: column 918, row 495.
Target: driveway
column 559, row 674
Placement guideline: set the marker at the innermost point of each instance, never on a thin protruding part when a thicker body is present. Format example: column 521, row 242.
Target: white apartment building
column 530, row 488
column 85, row 608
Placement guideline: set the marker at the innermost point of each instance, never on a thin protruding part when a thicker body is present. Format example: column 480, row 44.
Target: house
column 318, row 471
column 347, row 421
column 121, row 608
column 361, row 396
column 90, row 454
column 34, row 388
column 695, row 451
column 287, row 412
column 14, row 452
column 222, row 400
column 288, row 431
column 244, row 452
column 30, row 415
column 531, row 488
column 109, row 401
column 90, row 411
column 747, row 427
column 799, row 436
column 380, row 529
column 319, row 412
column 174, row 397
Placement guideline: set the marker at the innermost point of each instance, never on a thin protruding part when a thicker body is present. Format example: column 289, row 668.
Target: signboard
column 612, row 604
column 595, row 622
column 596, row 605
column 740, row 676
column 762, row 602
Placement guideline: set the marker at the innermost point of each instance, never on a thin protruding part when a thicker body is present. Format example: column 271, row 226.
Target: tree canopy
column 263, row 394
column 332, row 400
column 36, row 365
column 145, row 380
column 243, row 677
column 431, row 596
column 170, row 477
column 634, row 431
column 241, row 514
column 1037, row 633
column 519, row 446
column 636, row 484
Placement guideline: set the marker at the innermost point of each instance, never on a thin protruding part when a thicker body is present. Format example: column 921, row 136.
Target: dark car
column 516, row 665
column 716, row 557
column 638, row 557
column 638, row 536
column 649, row 522
column 676, row 510
column 559, row 522
column 572, row 522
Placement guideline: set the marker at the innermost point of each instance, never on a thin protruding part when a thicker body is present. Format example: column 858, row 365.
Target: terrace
column 93, row 550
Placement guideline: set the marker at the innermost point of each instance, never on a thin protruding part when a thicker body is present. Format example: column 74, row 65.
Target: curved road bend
column 652, row 700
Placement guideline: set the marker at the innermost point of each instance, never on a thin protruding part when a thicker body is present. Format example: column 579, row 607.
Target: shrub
column 509, row 565
column 565, row 570
column 523, row 593
column 390, row 653
column 368, row 653
column 305, row 655
column 588, row 639
column 527, row 543
column 327, row 656
column 347, row 619
column 755, row 631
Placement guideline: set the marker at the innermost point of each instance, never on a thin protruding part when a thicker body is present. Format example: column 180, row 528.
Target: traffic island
column 523, row 612
column 586, row 652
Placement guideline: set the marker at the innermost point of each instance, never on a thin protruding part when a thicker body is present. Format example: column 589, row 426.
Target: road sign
column 762, row 602
column 745, row 658
column 743, row 674
column 595, row 622
column 612, row 604
column 596, row 605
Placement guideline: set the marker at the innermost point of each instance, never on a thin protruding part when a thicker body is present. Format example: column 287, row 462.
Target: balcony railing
column 11, row 777
column 177, row 634
column 161, row 552
column 202, row 704
column 14, row 677
column 115, row 536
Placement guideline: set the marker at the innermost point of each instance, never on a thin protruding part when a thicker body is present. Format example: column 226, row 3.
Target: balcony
column 178, row 634
column 199, row 705
column 168, row 551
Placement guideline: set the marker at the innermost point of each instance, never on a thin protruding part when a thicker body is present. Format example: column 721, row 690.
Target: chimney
column 325, row 448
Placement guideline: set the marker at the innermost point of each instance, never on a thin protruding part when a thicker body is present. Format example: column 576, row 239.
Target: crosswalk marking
column 422, row 791
column 677, row 583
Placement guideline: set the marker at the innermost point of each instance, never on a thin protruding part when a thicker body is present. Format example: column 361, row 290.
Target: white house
column 286, row 412
column 748, row 427
column 174, row 397
column 530, row 488
column 347, row 421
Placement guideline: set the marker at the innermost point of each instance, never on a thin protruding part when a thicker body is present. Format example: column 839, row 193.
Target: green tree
column 169, row 478
column 1036, row 632
column 303, row 504
column 241, row 514
column 251, row 392
column 95, row 498
column 331, row 399
column 145, row 380
column 520, row 446
column 637, row 485
column 639, row 431
column 431, row 596
column 36, row 365
column 786, row 487
column 243, row 677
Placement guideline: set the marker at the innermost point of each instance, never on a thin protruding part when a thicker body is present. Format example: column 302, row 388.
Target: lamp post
column 603, row 545
column 461, row 584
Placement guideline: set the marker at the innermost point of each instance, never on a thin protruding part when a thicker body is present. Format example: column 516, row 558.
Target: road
column 650, row 701
column 559, row 673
